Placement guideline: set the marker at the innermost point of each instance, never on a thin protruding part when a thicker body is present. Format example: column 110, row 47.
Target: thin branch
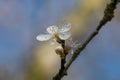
column 108, row 15
column 63, row 61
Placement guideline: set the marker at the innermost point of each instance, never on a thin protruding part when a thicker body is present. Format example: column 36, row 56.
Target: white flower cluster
column 57, row 34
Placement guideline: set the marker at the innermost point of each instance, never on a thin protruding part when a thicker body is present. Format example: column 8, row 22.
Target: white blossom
column 55, row 33
column 70, row 46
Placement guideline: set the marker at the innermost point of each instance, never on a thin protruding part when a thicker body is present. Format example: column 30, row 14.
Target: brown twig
column 63, row 61
column 108, row 15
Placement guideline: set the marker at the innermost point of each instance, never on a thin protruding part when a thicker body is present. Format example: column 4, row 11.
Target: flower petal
column 65, row 28
column 65, row 35
column 76, row 44
column 52, row 29
column 43, row 37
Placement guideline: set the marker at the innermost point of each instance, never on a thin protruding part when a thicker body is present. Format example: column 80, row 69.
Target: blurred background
column 22, row 57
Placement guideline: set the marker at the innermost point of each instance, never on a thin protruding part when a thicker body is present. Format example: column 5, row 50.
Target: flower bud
column 59, row 50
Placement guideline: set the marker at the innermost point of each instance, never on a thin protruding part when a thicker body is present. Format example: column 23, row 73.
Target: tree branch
column 108, row 15
column 63, row 61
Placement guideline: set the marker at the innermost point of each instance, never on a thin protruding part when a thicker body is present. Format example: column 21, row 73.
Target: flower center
column 56, row 36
